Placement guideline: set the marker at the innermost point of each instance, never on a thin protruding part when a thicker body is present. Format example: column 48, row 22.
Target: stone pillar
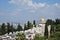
column 49, row 28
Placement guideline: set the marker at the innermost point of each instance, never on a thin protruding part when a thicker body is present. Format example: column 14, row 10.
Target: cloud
column 57, row 5
column 28, row 3
column 16, row 12
column 39, row 9
column 24, row 10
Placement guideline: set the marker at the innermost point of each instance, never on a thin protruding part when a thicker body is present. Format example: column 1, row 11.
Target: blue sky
column 47, row 1
column 28, row 10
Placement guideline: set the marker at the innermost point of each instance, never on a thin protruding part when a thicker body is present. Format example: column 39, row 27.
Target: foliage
column 58, row 27
column 3, row 29
column 19, row 27
column 34, row 23
column 8, row 28
column 20, row 36
column 12, row 28
column 38, row 37
column 55, row 36
column 46, row 32
column 49, row 22
column 57, row 21
column 28, row 25
column 25, row 27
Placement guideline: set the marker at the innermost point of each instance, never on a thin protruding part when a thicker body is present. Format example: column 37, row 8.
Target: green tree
column 19, row 27
column 8, row 28
column 29, row 25
column 57, row 21
column 3, row 29
column 46, row 31
column 38, row 37
column 49, row 22
column 57, row 27
column 56, row 35
column 34, row 23
column 12, row 28
column 21, row 36
column 0, row 30
column 25, row 27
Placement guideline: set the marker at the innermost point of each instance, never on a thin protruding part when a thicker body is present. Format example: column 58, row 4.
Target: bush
column 38, row 37
column 21, row 36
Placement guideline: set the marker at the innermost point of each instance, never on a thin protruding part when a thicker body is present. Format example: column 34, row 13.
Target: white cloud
column 16, row 12
column 28, row 6
column 57, row 5
column 28, row 3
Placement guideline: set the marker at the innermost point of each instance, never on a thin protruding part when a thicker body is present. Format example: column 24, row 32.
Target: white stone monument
column 49, row 28
column 42, row 26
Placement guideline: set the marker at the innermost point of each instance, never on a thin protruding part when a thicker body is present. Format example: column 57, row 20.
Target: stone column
column 49, row 28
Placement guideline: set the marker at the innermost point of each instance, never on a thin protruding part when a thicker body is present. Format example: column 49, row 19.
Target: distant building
column 8, row 37
column 30, row 33
column 39, row 29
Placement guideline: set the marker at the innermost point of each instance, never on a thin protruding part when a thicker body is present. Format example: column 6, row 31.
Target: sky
column 21, row 11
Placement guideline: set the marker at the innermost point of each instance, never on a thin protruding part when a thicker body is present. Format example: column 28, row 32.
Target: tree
column 19, row 27
column 11, row 28
column 55, row 36
column 49, row 22
column 38, row 37
column 57, row 27
column 29, row 25
column 34, row 23
column 25, row 27
column 57, row 21
column 3, row 29
column 46, row 31
column 8, row 28
column 21, row 36
column 0, row 30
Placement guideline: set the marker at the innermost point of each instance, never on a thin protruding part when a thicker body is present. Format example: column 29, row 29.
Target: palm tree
column 20, row 36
